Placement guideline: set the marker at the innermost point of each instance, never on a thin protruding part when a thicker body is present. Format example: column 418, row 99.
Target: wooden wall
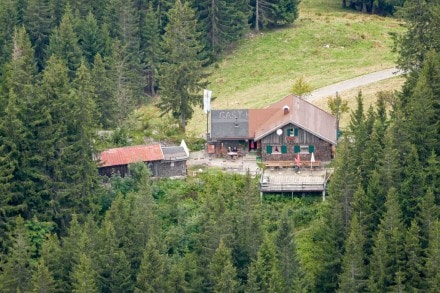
column 323, row 149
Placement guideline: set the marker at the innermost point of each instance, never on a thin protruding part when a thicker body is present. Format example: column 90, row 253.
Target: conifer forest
column 71, row 68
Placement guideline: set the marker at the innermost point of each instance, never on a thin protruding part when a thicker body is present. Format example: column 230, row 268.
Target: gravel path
column 353, row 83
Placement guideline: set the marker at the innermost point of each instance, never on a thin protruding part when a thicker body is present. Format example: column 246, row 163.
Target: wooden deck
column 291, row 181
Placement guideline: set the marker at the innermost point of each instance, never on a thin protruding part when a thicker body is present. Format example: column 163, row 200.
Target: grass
column 369, row 95
column 264, row 66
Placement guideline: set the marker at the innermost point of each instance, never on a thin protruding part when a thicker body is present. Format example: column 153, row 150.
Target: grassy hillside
column 325, row 45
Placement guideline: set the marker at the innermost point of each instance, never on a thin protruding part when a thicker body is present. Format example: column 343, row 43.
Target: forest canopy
column 69, row 68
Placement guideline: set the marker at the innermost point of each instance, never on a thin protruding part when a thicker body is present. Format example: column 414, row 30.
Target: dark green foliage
column 64, row 43
column 84, row 276
column 422, row 20
column 39, row 20
column 92, row 39
column 354, row 270
column 222, row 272
column 264, row 275
column 8, row 20
column 151, row 276
column 386, row 263
column 289, row 266
column 151, row 50
column 414, row 259
column 433, row 258
column 42, row 279
column 267, row 13
column 16, row 270
column 182, row 76
column 223, row 22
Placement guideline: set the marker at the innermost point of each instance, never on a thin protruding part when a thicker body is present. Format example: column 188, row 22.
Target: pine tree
column 182, row 76
column 16, row 272
column 289, row 265
column 414, row 265
column 84, row 276
column 432, row 269
column 42, row 279
column 39, row 21
column 104, row 93
column 79, row 170
column 8, row 20
column 152, row 270
column 432, row 176
column 64, row 43
column 354, row 271
column 222, row 272
column 223, row 22
column 264, row 272
column 274, row 12
column 412, row 186
column 91, row 38
column 386, row 263
column 113, row 267
column 429, row 211
column 150, row 48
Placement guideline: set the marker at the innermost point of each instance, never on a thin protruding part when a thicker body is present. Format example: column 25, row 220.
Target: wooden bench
column 311, row 164
column 279, row 164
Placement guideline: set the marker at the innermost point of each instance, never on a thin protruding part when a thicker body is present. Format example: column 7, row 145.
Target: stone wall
column 169, row 168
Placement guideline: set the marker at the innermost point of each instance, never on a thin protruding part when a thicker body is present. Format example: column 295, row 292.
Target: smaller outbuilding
column 163, row 161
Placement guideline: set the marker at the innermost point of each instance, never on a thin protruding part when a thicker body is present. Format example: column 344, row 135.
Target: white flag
column 312, row 158
column 207, row 100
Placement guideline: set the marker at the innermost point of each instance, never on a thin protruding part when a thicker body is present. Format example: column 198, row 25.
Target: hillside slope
column 326, row 45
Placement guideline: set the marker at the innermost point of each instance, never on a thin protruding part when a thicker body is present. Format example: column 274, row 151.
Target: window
column 276, row 149
column 304, row 149
column 292, row 131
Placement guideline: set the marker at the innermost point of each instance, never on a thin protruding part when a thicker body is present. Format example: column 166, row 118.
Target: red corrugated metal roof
column 131, row 154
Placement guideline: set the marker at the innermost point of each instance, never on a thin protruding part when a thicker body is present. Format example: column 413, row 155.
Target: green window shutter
column 269, row 149
column 311, row 148
column 288, row 131
column 296, row 149
column 296, row 132
column 284, row 149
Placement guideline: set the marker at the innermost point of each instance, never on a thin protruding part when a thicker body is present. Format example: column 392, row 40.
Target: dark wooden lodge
column 286, row 130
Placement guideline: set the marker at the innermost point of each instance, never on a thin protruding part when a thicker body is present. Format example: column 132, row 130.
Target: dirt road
column 353, row 83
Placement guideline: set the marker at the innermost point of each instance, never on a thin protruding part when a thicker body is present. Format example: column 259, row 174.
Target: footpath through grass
column 325, row 45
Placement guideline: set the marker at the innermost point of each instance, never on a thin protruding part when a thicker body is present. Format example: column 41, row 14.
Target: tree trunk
column 344, row 3
column 257, row 15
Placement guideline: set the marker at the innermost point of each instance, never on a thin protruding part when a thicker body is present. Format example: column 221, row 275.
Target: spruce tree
column 223, row 22
column 64, row 43
column 104, row 92
column 414, row 263
column 412, row 186
column 16, row 272
column 432, row 176
column 152, row 271
column 386, row 263
column 222, row 272
column 91, row 38
column 432, row 268
column 354, row 270
column 289, row 265
column 42, row 279
column 84, row 276
column 39, row 20
column 150, row 49
column 182, row 75
column 8, row 20
column 264, row 272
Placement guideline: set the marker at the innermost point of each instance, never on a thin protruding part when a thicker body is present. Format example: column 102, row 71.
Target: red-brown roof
column 300, row 113
column 131, row 154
